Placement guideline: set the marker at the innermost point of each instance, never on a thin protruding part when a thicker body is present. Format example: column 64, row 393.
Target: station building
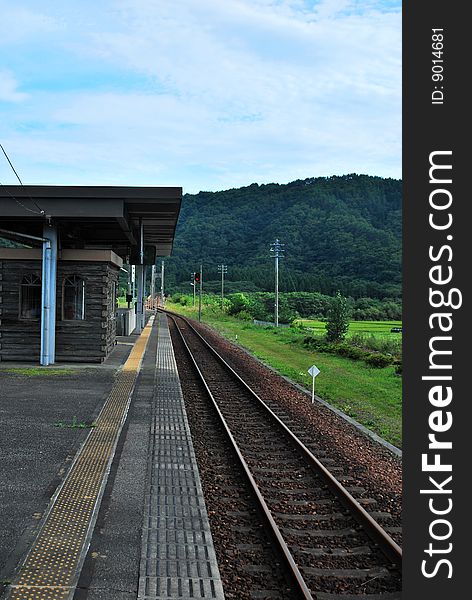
column 58, row 298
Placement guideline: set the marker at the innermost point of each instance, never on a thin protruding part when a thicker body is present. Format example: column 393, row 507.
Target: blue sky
column 205, row 94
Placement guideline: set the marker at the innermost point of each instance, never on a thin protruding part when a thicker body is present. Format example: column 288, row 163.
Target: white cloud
column 236, row 91
column 20, row 24
column 8, row 88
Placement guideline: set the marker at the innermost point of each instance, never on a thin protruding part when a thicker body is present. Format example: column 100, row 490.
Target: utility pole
column 192, row 276
column 162, row 283
column 222, row 269
column 200, row 295
column 277, row 251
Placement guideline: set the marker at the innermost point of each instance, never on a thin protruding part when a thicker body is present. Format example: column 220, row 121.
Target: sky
column 203, row 94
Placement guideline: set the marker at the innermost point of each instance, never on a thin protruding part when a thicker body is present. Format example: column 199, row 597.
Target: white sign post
column 313, row 372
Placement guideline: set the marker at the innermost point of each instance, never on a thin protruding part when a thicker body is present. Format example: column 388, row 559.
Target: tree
column 338, row 319
column 357, row 220
column 239, row 303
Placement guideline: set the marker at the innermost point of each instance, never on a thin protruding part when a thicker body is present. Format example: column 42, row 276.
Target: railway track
column 328, row 544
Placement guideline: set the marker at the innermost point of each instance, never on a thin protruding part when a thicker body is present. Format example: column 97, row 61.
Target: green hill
column 339, row 233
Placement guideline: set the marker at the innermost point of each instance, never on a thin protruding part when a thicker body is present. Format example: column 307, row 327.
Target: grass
column 75, row 424
column 122, row 302
column 369, row 395
column 38, row 371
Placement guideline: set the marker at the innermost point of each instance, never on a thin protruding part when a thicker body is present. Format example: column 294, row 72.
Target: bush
column 286, row 315
column 398, row 367
column 182, row 299
column 351, row 352
column 379, row 361
column 377, row 344
column 244, row 315
column 315, row 343
column 238, row 303
column 347, row 350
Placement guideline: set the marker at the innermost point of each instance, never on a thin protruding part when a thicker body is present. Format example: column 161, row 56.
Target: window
column 73, row 298
column 30, row 297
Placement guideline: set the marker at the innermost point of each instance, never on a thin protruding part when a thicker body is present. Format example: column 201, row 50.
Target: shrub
column 351, row 352
column 244, row 315
column 287, row 316
column 379, row 360
column 315, row 343
column 347, row 350
column 377, row 344
column 398, row 367
column 238, row 303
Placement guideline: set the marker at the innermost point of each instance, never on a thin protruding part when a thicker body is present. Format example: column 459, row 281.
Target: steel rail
column 375, row 531
column 290, row 561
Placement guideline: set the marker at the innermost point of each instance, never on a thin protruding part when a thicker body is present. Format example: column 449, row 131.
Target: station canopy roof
column 94, row 216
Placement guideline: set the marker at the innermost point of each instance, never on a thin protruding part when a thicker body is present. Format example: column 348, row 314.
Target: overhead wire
column 41, row 211
column 36, row 212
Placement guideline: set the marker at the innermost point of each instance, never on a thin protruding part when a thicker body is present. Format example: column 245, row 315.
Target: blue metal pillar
column 48, row 296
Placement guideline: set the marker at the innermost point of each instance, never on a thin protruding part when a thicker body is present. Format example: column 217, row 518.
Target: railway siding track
column 330, row 544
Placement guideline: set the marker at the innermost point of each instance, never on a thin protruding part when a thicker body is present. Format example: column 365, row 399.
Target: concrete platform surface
column 44, row 419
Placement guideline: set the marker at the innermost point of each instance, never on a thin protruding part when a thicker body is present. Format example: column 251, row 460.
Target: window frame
column 83, row 311
column 39, row 285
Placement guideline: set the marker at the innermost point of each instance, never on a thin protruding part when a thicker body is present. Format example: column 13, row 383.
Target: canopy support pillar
column 48, row 296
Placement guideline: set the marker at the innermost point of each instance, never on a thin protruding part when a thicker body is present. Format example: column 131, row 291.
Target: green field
column 377, row 328
column 369, row 395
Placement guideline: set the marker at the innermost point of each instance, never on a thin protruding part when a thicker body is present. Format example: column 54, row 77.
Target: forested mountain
column 339, row 233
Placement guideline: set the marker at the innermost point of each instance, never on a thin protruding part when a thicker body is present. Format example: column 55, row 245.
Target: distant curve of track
column 330, row 545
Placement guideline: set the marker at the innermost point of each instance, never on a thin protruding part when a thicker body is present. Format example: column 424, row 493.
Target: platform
column 178, row 559
column 128, row 518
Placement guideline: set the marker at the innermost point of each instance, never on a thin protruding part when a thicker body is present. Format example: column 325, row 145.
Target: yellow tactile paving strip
column 52, row 567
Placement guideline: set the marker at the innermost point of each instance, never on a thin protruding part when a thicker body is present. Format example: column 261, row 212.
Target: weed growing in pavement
column 75, row 424
column 38, row 371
